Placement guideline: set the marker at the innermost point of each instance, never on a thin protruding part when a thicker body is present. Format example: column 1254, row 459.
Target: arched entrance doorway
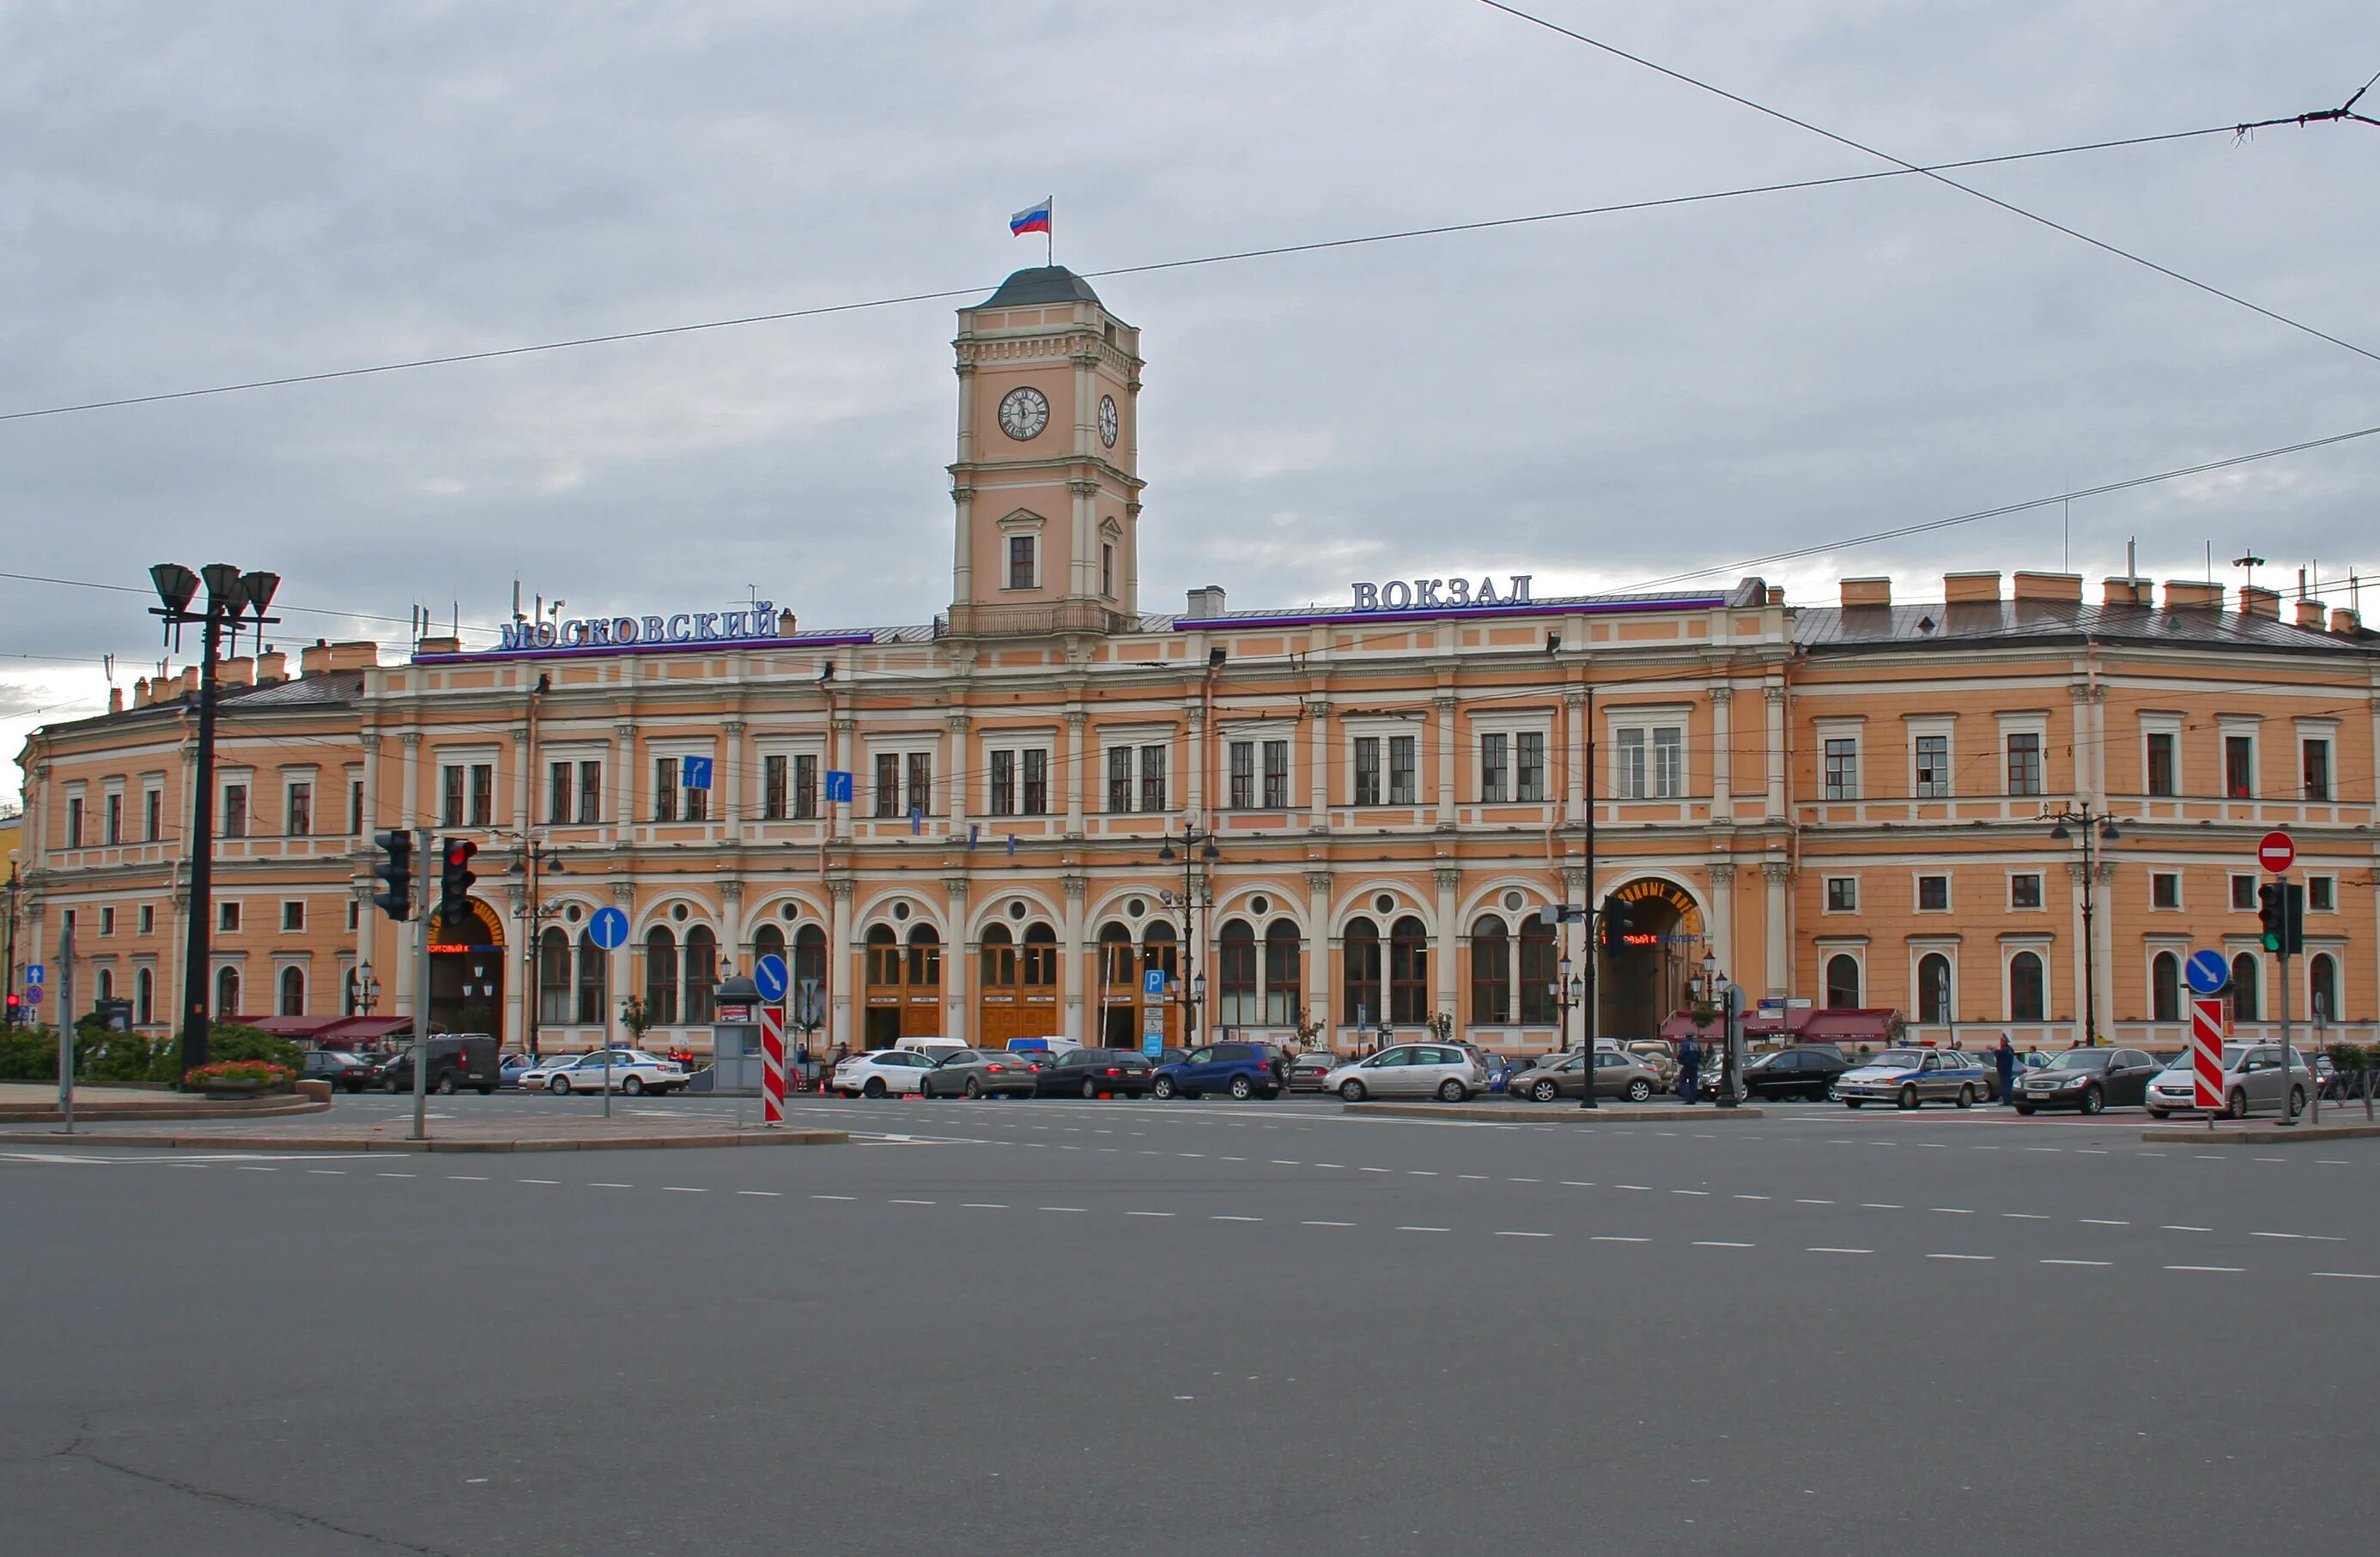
column 1126, row 1009
column 1016, row 989
column 467, row 973
column 903, row 990
column 1640, row 985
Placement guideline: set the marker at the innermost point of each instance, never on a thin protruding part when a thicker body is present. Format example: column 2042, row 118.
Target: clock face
column 1023, row 413
column 1108, row 420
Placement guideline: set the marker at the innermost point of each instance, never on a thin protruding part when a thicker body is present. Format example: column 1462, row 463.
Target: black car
column 1089, row 1072
column 346, row 1072
column 1804, row 1070
column 2089, row 1080
column 454, row 1063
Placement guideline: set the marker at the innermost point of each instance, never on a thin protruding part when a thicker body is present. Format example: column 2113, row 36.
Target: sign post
column 2276, row 851
column 770, row 977
column 425, row 847
column 2206, row 1054
column 66, row 1026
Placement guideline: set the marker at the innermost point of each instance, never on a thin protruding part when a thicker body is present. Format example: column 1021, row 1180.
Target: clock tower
column 1045, row 482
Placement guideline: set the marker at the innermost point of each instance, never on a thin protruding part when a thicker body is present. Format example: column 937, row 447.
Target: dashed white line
column 2077, row 1261
column 597, row 1185
column 1879, row 1205
column 2181, row 1228
column 1326, row 1223
column 1953, row 1211
column 1000, row 1205
column 682, row 1190
column 1148, row 1213
column 392, row 1175
column 1424, row 1229
column 2024, row 1216
column 2348, row 1275
column 1960, row 1256
column 537, row 1181
column 1721, row 1243
column 834, row 1197
column 2214, row 1269
column 1579, row 1183
column 771, row 1194
column 245, row 1167
column 1235, row 1219
column 1632, row 1186
column 1823, row 1249
column 1077, row 1209
column 1813, row 1202
column 1422, row 1173
column 1615, row 1238
column 1503, row 1234
column 339, row 1173
column 912, row 1202
column 1753, row 1197
column 1704, row 1193
column 2100, row 1222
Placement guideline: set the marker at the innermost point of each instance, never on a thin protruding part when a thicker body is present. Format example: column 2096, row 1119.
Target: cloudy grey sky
column 198, row 194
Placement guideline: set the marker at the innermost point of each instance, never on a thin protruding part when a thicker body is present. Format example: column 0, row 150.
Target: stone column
column 1722, row 756
column 410, row 815
column 730, row 759
column 1779, row 976
column 623, row 776
column 1320, row 986
column 1574, row 735
column 1070, row 977
column 842, row 962
column 519, row 991
column 962, row 494
column 521, row 789
column 1445, row 764
column 957, row 776
column 1082, row 551
column 1722, row 918
column 1317, row 764
column 958, row 965
column 1443, row 990
column 2102, row 937
column 368, row 918
column 2074, row 874
column 1776, row 695
column 1075, row 765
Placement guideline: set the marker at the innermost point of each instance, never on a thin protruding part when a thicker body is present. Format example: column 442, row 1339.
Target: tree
column 633, row 1018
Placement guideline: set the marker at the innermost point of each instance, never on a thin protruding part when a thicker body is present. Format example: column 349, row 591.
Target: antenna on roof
column 2248, row 562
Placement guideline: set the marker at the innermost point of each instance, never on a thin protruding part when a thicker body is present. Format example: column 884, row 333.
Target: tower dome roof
column 1043, row 283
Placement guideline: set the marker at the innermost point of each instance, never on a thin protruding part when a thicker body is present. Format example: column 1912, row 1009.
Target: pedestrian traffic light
column 1617, row 924
column 2280, row 909
column 396, row 870
column 455, row 880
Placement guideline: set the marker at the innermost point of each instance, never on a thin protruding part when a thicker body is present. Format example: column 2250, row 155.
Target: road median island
column 2268, row 1134
column 539, row 1136
column 1548, row 1113
column 38, row 1104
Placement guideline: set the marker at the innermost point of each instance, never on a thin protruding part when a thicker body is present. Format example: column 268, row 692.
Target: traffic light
column 455, row 880
column 2280, row 909
column 1616, row 925
column 396, row 870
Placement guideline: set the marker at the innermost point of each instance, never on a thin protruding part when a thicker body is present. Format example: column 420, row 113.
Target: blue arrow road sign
column 36, row 974
column 694, row 773
column 2208, row 971
column 769, row 974
column 838, row 786
column 608, row 929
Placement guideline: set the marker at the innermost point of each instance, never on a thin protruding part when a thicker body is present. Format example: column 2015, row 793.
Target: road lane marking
column 1424, row 1229
column 2348, row 1275
column 1824, row 1249
column 1720, row 1243
column 2181, row 1228
column 1879, row 1205
column 599, row 1185
column 771, row 1194
column 1502, row 1233
column 1813, row 1202
column 1615, row 1238
column 1235, row 1219
column 246, row 1168
column 1326, row 1223
column 537, row 1181
column 834, row 1197
column 1148, row 1212
column 1632, row 1186
column 1525, row 1182
column 999, row 1206
column 1422, row 1173
column 1751, row 1197
column 1704, row 1193
column 1075, row 1209
column 2077, row 1261
column 2217, row 1269
column 340, row 1173
column 389, row 1174
column 1579, row 1183
column 1953, row 1211
column 2025, row 1216
column 1960, row 1256
column 913, row 1202
column 2100, row 1222
column 1376, row 1170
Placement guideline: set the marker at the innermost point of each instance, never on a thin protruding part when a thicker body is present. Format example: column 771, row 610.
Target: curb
column 283, row 1142
column 1559, row 1111
column 2257, row 1135
column 13, row 1114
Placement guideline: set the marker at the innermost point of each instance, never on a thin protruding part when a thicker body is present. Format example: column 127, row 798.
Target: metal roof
column 1969, row 624
column 1043, row 283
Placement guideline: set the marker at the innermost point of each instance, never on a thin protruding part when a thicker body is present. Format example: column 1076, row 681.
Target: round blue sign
column 2208, row 971
column 769, row 974
column 608, row 929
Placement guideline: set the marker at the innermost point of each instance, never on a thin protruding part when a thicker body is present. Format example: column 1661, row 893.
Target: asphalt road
column 1064, row 1327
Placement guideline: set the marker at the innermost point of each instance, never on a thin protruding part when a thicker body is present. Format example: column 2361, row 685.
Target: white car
column 1447, row 1071
column 881, row 1072
column 632, row 1071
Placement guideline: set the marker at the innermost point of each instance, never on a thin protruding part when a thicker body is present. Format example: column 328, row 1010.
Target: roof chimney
column 1205, row 603
column 318, row 656
column 2129, row 590
column 2033, row 586
column 140, row 692
column 2309, row 614
column 1867, row 592
column 443, row 643
column 2257, row 600
column 272, row 666
column 2190, row 594
column 1965, row 588
column 785, row 623
column 240, row 671
column 2345, row 623
column 1776, row 594
column 116, row 700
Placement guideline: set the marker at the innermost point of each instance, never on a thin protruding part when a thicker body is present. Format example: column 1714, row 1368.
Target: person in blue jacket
column 1690, row 1069
column 2004, row 1061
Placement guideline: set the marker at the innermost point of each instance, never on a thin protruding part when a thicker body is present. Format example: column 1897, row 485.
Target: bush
column 28, row 1054
column 103, row 1055
column 274, row 1077
column 251, row 1042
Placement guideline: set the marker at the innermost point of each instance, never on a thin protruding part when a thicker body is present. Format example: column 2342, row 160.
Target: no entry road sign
column 2276, row 851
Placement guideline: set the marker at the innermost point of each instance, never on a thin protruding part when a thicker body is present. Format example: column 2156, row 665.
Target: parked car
column 1089, row 1072
column 1907, row 1077
column 877, row 1072
column 1447, row 1071
column 1243, row 1070
column 978, row 1073
column 1658, row 1053
column 632, row 1071
column 346, row 1072
column 2253, row 1082
column 1807, row 1070
column 933, row 1048
column 1616, row 1075
column 512, row 1067
column 454, row 1063
column 2091, row 1080
column 1987, row 1068
column 1309, row 1070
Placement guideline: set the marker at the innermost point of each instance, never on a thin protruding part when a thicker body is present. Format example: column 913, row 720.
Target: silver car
column 1909, row 1076
column 2253, row 1083
column 1616, row 1075
column 1447, row 1071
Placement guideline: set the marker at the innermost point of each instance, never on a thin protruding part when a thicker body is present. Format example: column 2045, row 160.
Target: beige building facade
column 1064, row 813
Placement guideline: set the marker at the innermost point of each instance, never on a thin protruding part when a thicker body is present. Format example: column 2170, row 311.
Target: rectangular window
column 1003, row 783
column 920, row 765
column 1020, row 561
column 1842, row 894
column 483, row 794
column 2314, row 758
column 450, row 797
column 107, row 920
column 2322, row 894
column 2164, row 889
column 1037, row 779
column 772, row 788
column 665, row 788
column 1627, row 772
column 1276, row 775
column 1932, row 894
column 300, row 803
column 148, row 919
column 1842, row 768
column 70, row 922
column 235, row 811
column 2240, row 766
column 74, row 822
column 153, row 802
column 557, row 796
column 2025, row 891
column 1403, row 764
column 228, row 915
column 1152, row 778
column 2024, row 763
column 1368, row 770
column 888, row 783
column 806, row 788
column 114, row 833
column 1495, row 773
column 355, row 914
column 293, row 916
column 1118, row 779
column 1107, row 568
column 1242, row 775
column 1668, row 762
column 1932, row 767
column 2243, row 893
column 2161, row 762
column 590, row 791
column 356, row 807
column 1529, row 749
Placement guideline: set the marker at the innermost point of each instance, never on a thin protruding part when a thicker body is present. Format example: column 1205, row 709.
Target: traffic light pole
column 421, row 850
column 1586, row 917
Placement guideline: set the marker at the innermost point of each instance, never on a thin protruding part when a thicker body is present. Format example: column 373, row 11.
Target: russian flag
column 1032, row 219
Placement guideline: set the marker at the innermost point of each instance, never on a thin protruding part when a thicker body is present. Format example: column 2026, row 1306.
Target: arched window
column 1156, row 950
column 999, row 957
column 594, row 981
column 810, row 993
column 1284, row 991
column 103, row 987
column 144, row 996
column 1491, row 971
column 768, row 941
column 1540, row 967
column 1408, row 971
column 1116, row 958
column 2164, row 987
column 2322, row 985
column 2245, row 1006
column 293, row 992
column 1359, row 958
column 1040, row 957
column 2028, row 994
column 701, row 971
column 227, row 994
column 1842, row 982
column 924, row 971
column 1236, row 975
column 883, row 957
column 1934, row 988
column 553, row 974
column 661, row 976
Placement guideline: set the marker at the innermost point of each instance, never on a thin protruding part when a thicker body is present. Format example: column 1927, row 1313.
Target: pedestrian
column 802, row 1067
column 2004, row 1061
column 1690, row 1069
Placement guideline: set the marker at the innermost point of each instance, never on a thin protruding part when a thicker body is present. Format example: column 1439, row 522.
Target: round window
column 1384, row 904
column 1513, row 899
column 1017, row 909
column 678, row 912
column 574, row 913
column 900, row 911
column 1137, row 907
column 787, row 909
column 1260, row 904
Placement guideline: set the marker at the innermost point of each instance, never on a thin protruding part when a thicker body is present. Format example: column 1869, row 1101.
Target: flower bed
column 238, row 1078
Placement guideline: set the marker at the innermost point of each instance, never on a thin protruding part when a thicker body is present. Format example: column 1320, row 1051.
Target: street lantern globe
column 1166, row 853
column 2108, row 833
column 2058, row 834
column 1197, row 987
column 1210, row 853
column 175, row 585
column 1564, row 965
column 1710, row 965
column 223, row 583
column 257, row 589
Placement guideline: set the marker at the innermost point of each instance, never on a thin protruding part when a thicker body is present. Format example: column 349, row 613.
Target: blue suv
column 1242, row 1069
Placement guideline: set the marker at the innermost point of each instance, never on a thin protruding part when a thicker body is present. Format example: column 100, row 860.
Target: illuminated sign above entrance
column 757, row 621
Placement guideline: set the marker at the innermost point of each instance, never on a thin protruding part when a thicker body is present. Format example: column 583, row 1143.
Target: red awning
column 293, row 1027
column 1797, row 1024
column 355, row 1032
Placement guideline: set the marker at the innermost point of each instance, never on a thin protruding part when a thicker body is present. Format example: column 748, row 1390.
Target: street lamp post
column 1569, row 994
column 534, row 858
column 2094, row 828
column 366, row 989
column 1198, row 855
column 232, row 597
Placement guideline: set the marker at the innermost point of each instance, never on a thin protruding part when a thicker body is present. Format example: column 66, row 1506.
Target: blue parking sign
column 1153, row 981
